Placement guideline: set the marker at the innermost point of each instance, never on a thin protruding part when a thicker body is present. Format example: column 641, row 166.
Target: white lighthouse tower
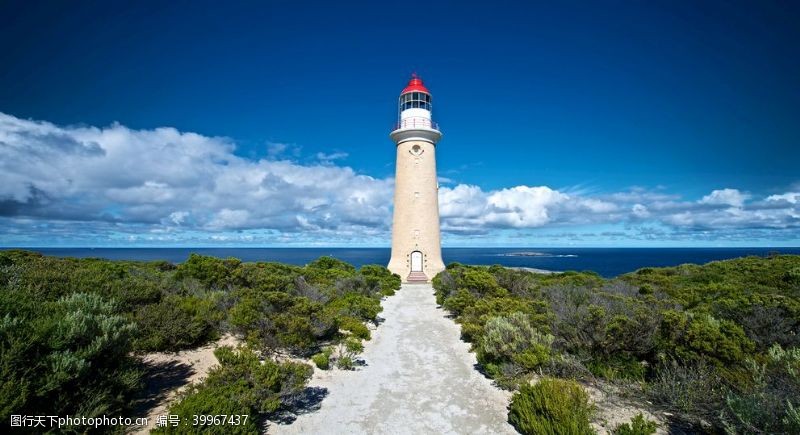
column 416, row 244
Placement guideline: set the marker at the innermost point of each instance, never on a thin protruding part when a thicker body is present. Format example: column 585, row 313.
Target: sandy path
column 419, row 378
column 172, row 372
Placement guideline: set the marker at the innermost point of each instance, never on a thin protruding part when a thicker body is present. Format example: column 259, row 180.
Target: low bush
column 474, row 317
column 638, row 425
column 617, row 367
column 692, row 391
column 347, row 352
column 323, row 359
column 771, row 402
column 693, row 337
column 66, row 357
column 212, row 272
column 177, row 323
column 386, row 281
column 241, row 385
column 459, row 301
column 354, row 327
column 551, row 406
column 567, row 366
column 361, row 307
column 512, row 339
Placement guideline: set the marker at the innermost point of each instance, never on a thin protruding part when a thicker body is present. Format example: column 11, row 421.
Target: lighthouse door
column 416, row 261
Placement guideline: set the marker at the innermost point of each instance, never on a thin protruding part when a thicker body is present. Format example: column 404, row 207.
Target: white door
column 416, row 261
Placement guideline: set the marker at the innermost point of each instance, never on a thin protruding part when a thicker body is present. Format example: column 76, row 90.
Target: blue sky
column 611, row 124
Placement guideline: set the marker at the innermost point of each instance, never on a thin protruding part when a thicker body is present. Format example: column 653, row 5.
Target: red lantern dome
column 415, row 85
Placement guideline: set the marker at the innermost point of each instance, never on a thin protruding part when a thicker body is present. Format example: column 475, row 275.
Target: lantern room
column 414, row 109
column 415, row 100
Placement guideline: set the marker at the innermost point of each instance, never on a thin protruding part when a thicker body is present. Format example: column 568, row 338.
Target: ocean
column 608, row 262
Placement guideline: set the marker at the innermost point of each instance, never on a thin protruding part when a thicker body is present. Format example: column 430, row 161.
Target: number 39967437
column 219, row 419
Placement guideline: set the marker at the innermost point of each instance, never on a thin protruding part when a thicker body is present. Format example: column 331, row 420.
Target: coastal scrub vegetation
column 551, row 406
column 716, row 346
column 71, row 330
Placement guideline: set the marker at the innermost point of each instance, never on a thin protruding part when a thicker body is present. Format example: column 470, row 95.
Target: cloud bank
column 99, row 186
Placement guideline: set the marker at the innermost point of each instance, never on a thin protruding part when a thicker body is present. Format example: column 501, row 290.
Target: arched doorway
column 416, row 261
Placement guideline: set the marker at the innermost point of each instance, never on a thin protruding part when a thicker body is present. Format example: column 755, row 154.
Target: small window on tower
column 416, row 195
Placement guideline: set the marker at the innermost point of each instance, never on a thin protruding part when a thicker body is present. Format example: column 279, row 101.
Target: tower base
column 402, row 267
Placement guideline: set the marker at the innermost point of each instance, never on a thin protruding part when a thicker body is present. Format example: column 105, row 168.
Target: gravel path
column 418, row 378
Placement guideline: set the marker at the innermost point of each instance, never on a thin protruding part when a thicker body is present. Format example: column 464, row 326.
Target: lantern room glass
column 415, row 100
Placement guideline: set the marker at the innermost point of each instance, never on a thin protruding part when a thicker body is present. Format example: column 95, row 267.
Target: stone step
column 417, row 277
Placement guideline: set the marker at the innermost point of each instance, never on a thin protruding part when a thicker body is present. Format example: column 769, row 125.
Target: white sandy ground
column 611, row 410
column 419, row 378
column 172, row 372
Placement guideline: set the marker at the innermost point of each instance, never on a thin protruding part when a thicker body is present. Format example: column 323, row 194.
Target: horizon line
column 388, row 247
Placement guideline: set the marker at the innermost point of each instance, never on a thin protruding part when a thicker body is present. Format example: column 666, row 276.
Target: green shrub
column 177, row 323
column 692, row 337
column 273, row 320
column 769, row 404
column 381, row 277
column 459, row 301
column 638, row 425
column 323, row 359
column 551, row 406
column 210, row 271
column 766, row 319
column 347, row 352
column 353, row 305
column 345, row 362
column 325, row 271
column 617, row 367
column 65, row 357
column 604, row 323
column 444, row 284
column 792, row 275
column 514, row 339
column 475, row 316
column 567, row 366
column 266, row 277
column 693, row 390
column 330, row 263
column 479, row 280
column 241, row 384
column 355, row 327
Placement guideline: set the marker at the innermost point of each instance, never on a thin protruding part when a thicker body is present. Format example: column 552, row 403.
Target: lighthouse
column 416, row 243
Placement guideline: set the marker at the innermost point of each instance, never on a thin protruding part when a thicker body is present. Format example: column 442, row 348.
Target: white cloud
column 468, row 209
column 790, row 197
column 640, row 211
column 523, row 206
column 323, row 157
column 161, row 177
column 178, row 217
column 464, row 207
column 85, row 184
column 731, row 197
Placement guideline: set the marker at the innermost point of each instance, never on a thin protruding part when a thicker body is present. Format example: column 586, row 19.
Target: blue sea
column 608, row 262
